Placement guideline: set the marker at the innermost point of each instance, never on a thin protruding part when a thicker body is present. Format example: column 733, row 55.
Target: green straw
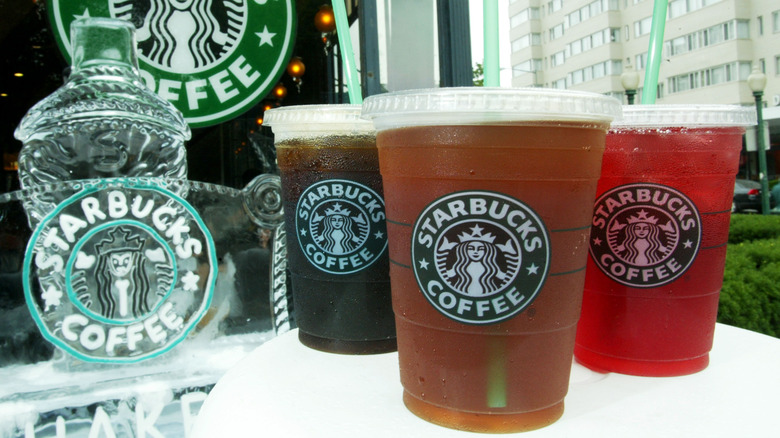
column 650, row 90
column 496, row 367
column 347, row 54
column 490, row 30
column 496, row 385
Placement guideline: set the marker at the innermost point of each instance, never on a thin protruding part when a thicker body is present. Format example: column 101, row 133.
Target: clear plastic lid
column 685, row 116
column 311, row 121
column 480, row 105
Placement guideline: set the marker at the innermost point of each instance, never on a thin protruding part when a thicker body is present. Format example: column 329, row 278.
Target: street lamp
column 757, row 82
column 629, row 79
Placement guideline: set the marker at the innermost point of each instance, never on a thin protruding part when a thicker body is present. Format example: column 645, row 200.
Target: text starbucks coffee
column 164, row 218
column 61, row 248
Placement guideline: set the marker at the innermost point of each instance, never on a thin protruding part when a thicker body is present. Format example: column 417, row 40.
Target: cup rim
column 686, row 115
column 320, row 118
column 488, row 105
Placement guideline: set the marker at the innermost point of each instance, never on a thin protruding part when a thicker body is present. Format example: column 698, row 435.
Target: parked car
column 747, row 196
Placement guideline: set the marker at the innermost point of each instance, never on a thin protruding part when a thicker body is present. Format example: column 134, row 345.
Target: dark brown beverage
column 337, row 244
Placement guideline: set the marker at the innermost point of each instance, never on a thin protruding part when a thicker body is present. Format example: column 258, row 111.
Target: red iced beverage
column 658, row 239
column 489, row 200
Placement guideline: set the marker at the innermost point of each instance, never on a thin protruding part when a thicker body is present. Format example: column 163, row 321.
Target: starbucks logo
column 480, row 257
column 341, row 226
column 119, row 272
column 184, row 36
column 213, row 59
column 110, row 274
column 644, row 235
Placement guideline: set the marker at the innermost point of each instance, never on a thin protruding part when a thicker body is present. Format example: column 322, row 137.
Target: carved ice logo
column 119, row 272
column 644, row 235
column 129, row 274
column 341, row 226
column 213, row 59
column 480, row 257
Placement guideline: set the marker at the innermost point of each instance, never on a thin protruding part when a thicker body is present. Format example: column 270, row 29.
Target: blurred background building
column 710, row 48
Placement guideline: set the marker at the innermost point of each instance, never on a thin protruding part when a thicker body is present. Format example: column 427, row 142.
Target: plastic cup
column 658, row 238
column 335, row 221
column 489, row 198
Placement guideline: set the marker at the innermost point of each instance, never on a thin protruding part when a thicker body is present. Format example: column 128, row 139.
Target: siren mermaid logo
column 480, row 257
column 119, row 272
column 644, row 235
column 341, row 226
column 213, row 59
column 184, row 36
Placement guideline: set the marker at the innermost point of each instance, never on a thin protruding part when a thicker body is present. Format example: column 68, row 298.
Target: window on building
column 735, row 71
column 760, row 25
column 678, row 46
column 558, row 58
column 587, row 43
column 575, row 47
column 554, row 5
column 614, row 35
column 595, row 8
column 743, row 29
column 735, row 29
column 529, row 39
column 573, row 18
column 529, row 66
column 560, row 84
column 556, row 32
column 777, row 65
column 775, row 21
column 610, row 5
column 642, row 27
column 599, row 70
column 641, row 61
column 616, row 67
column 679, row 8
column 576, row 77
column 597, row 39
column 523, row 16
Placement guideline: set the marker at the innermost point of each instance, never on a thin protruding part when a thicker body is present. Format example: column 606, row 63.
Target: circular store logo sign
column 480, row 257
column 341, row 226
column 213, row 59
column 119, row 272
column 644, row 235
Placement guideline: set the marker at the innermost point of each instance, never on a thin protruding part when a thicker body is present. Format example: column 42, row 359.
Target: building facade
column 709, row 49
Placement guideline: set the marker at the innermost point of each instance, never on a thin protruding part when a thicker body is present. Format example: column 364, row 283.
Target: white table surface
column 283, row 389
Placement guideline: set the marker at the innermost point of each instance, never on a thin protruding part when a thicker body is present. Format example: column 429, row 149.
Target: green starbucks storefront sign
column 213, row 59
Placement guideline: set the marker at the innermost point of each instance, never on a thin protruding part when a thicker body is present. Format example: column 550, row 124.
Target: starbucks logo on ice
column 644, row 235
column 341, row 226
column 111, row 277
column 480, row 257
column 119, row 272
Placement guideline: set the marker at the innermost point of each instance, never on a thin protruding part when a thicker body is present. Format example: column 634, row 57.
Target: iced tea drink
column 335, row 221
column 489, row 199
column 658, row 239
